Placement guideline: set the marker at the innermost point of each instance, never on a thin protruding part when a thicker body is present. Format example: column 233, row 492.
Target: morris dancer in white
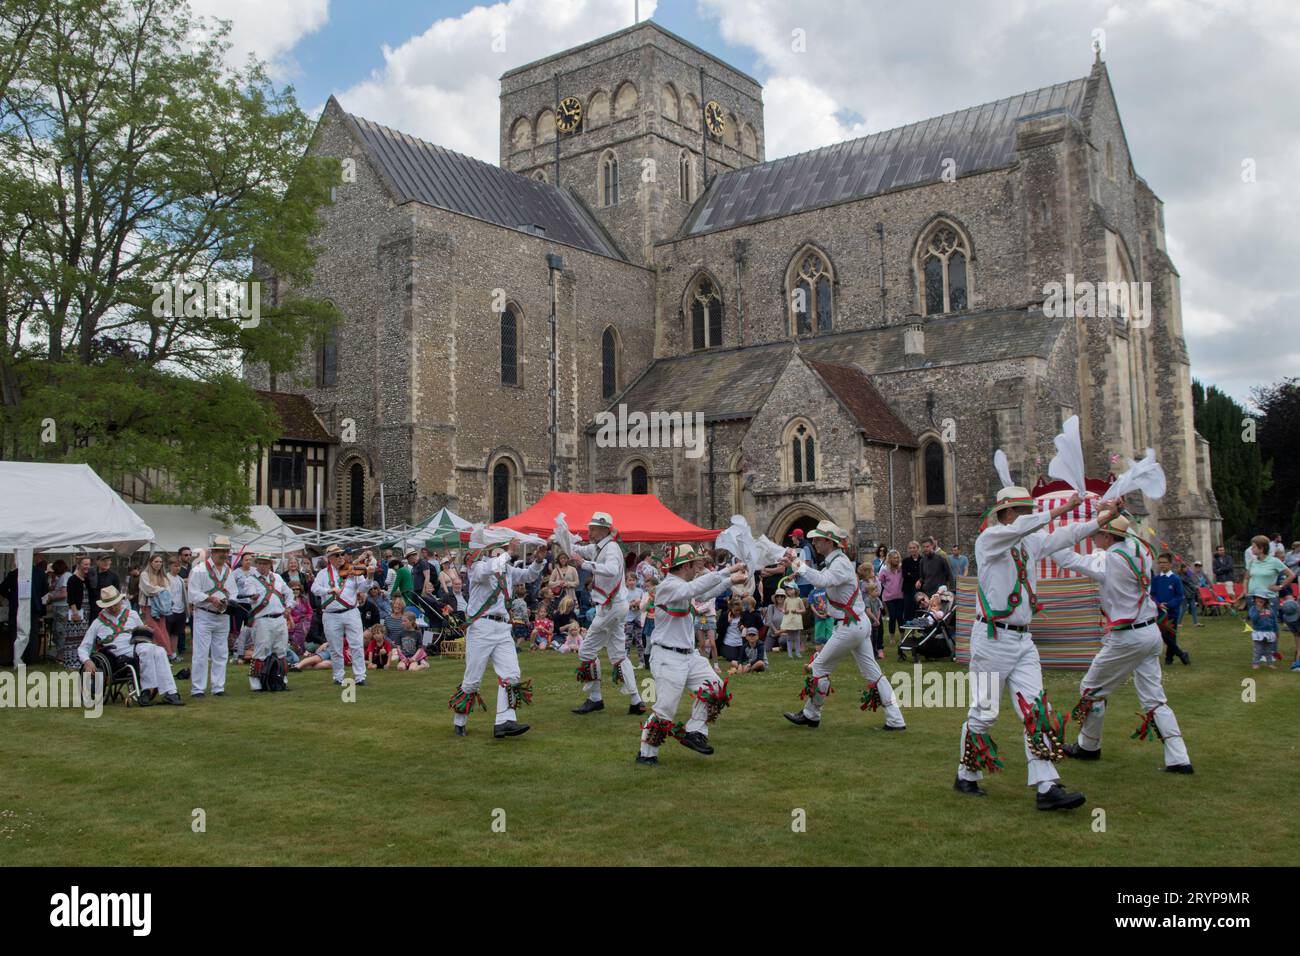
column 1132, row 644
column 270, row 632
column 488, row 637
column 675, row 663
column 1007, row 553
column 337, row 585
column 114, row 629
column 211, row 588
column 839, row 576
column 608, row 570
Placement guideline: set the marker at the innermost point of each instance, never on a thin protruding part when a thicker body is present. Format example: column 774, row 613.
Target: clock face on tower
column 569, row 115
column 713, row 120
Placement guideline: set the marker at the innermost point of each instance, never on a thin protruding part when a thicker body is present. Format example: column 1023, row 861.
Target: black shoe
column 1078, row 753
column 218, row 693
column 1058, row 798
column 360, row 683
column 338, row 683
column 698, row 742
column 509, row 729
column 1185, row 658
column 1179, row 768
column 173, row 698
column 887, row 727
column 198, row 696
column 1169, row 660
column 461, row 730
column 589, row 705
column 798, row 717
column 636, row 708
column 969, row 787
column 645, row 761
column 144, row 700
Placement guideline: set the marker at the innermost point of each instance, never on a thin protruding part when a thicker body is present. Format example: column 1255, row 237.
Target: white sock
column 1046, row 785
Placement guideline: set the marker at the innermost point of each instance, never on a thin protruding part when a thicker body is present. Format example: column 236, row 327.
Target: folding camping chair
column 1212, row 602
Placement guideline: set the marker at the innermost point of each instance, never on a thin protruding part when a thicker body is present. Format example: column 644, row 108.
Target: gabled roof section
column 979, row 139
column 417, row 171
column 298, row 421
column 868, row 407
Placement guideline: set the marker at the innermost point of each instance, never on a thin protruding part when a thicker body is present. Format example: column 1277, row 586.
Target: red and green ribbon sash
column 271, row 589
column 218, row 583
column 850, row 615
column 497, row 589
column 990, row 614
column 607, row 595
column 116, row 627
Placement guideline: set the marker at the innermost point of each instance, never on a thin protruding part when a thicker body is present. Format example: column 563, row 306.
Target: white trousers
column 1135, row 652
column 155, row 669
column 211, row 632
column 852, row 639
column 1010, row 660
column 270, row 636
column 674, row 673
column 340, row 625
column 607, row 632
column 488, row 640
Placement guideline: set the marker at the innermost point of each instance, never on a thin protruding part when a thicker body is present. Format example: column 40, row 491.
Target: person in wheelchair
column 119, row 631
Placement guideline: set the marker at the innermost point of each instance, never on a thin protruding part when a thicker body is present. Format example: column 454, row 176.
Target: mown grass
column 306, row 778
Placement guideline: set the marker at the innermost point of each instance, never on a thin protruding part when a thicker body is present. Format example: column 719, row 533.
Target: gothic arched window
column 509, row 346
column 943, row 257
column 802, row 444
column 705, row 306
column 811, row 295
column 684, row 176
column 936, row 492
column 609, row 180
column 608, row 364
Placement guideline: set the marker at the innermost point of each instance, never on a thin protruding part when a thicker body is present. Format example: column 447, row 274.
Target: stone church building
column 860, row 325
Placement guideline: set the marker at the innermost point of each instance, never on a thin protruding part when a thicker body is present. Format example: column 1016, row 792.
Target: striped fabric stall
column 1087, row 509
column 1067, row 630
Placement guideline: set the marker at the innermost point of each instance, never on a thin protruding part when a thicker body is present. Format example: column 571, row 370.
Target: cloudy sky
column 1202, row 88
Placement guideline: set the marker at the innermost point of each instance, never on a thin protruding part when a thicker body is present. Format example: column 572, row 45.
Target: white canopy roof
column 56, row 507
column 178, row 526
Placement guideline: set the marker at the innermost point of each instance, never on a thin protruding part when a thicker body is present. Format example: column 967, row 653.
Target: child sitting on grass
column 378, row 649
column 751, row 657
column 411, row 655
column 1263, row 625
column 572, row 638
column 543, row 634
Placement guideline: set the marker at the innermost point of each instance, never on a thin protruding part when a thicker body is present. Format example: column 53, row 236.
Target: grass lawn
column 305, row 778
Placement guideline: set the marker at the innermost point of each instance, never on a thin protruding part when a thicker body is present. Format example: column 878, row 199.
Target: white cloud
column 443, row 85
column 267, row 28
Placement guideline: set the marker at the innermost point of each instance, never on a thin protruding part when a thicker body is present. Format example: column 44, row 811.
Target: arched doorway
column 801, row 515
column 356, row 495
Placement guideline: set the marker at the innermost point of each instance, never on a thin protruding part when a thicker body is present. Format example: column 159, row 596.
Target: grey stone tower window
column 609, row 180
column 803, row 455
column 640, row 481
column 501, row 492
column 935, row 486
column 811, row 298
column 327, row 361
column 509, row 346
column 684, row 176
column 356, row 496
column 608, row 364
column 943, row 264
column 706, row 315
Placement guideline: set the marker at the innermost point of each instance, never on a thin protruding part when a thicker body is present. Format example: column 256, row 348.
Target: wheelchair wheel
column 104, row 669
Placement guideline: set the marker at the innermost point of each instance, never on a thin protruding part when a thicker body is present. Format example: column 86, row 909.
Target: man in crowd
column 211, row 588
column 103, row 576
column 936, row 572
column 1222, row 566
column 911, row 568
column 339, row 586
column 120, row 630
column 958, row 562
column 271, row 597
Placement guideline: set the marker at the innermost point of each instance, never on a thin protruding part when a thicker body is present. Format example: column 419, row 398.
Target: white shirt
column 1124, row 598
column 997, row 569
column 98, row 629
column 678, row 630
column 327, row 579
column 279, row 593
column 203, row 577
column 607, row 570
column 176, row 587
column 839, row 578
column 496, row 574
column 244, row 587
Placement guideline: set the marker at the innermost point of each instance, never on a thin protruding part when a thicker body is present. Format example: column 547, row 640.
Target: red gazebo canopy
column 636, row 517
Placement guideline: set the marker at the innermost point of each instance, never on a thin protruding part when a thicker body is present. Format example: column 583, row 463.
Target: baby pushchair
column 931, row 638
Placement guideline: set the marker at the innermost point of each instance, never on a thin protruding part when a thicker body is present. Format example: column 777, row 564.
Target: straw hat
column 110, row 596
column 831, row 531
column 679, row 554
column 333, row 549
column 1012, row 496
column 600, row 519
column 264, row 556
column 220, row 543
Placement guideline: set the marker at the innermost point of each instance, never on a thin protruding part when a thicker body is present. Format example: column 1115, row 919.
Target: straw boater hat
column 264, row 556
column 831, row 531
column 1012, row 496
column 679, row 554
column 110, row 596
column 220, row 543
column 333, row 549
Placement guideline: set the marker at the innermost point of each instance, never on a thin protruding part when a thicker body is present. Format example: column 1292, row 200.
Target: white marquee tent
column 178, row 526
column 54, row 507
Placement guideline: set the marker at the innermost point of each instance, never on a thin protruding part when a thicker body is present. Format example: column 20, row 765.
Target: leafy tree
column 1237, row 471
column 134, row 159
column 1279, row 439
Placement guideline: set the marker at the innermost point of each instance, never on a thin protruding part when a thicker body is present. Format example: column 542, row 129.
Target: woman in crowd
column 156, row 601
column 565, row 575
column 300, row 614
column 57, row 602
column 879, row 560
column 890, row 577
column 733, row 631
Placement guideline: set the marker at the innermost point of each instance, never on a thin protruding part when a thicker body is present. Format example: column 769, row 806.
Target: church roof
column 861, row 400
column 422, row 172
column 978, row 139
column 733, row 383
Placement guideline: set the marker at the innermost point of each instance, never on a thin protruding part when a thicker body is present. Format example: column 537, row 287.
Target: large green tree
column 1238, row 471
column 1279, row 443
column 132, row 158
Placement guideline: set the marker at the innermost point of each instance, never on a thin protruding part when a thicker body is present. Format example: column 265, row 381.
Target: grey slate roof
column 422, row 172
column 734, row 383
column 978, row 139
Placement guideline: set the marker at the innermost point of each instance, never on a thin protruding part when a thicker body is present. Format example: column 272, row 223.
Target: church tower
column 633, row 123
